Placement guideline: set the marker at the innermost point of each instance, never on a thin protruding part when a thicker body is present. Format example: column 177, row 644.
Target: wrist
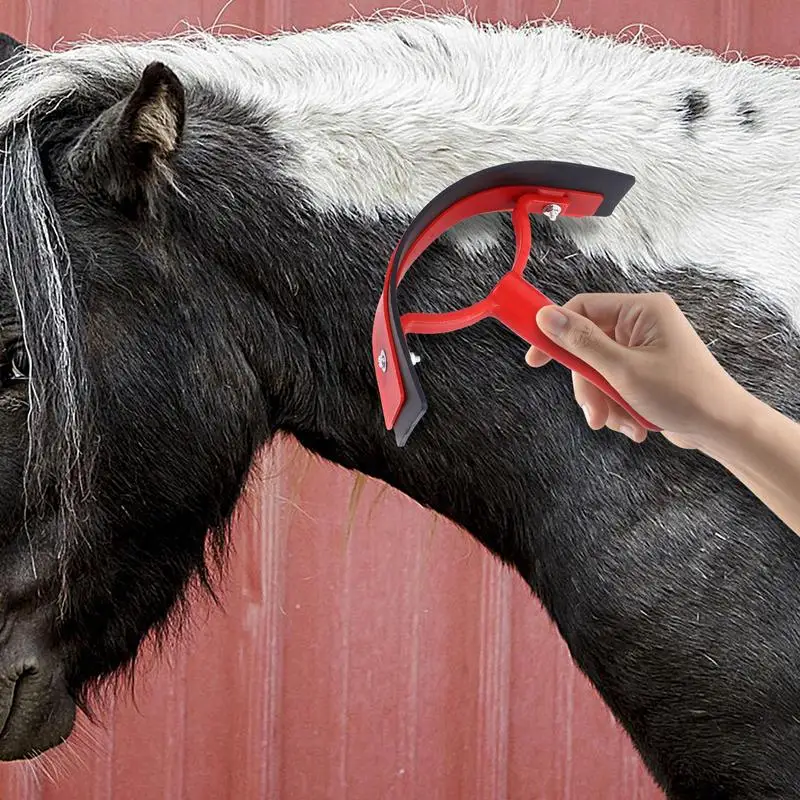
column 734, row 418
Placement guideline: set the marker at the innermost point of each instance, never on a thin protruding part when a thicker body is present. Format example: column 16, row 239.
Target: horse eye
column 19, row 370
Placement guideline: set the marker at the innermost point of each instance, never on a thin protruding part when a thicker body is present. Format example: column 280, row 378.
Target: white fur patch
column 384, row 115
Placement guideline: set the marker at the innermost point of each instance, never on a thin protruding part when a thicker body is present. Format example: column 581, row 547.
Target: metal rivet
column 415, row 359
column 552, row 211
column 382, row 361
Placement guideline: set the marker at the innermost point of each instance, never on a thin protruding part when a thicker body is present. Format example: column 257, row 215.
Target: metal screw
column 382, row 361
column 415, row 359
column 552, row 211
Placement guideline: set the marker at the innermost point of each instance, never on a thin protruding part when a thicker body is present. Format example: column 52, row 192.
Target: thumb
column 579, row 336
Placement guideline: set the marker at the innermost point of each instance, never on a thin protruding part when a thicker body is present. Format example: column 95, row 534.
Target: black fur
column 748, row 114
column 407, row 42
column 9, row 48
column 694, row 106
column 211, row 327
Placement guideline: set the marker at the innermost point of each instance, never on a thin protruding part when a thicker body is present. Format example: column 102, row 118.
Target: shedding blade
column 551, row 188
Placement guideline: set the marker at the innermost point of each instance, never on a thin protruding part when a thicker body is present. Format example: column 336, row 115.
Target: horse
column 195, row 231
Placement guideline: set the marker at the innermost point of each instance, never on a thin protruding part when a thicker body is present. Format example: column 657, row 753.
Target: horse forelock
column 37, row 273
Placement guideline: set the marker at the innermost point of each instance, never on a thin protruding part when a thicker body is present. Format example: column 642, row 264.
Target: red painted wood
column 367, row 648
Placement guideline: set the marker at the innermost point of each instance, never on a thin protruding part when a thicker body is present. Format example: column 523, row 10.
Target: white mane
column 384, row 114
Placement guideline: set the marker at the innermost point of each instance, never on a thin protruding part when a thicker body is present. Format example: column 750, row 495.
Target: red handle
column 515, row 303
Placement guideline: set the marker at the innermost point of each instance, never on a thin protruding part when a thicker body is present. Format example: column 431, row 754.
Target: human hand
column 646, row 348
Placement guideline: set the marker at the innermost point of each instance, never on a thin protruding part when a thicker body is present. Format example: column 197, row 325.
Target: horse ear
column 9, row 47
column 126, row 152
column 152, row 122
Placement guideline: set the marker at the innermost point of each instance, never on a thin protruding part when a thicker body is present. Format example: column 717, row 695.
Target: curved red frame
column 524, row 188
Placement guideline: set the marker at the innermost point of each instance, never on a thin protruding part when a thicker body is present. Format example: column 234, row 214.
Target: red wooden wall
column 367, row 649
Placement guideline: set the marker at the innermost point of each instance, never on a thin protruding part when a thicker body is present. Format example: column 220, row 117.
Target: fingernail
column 626, row 430
column 552, row 320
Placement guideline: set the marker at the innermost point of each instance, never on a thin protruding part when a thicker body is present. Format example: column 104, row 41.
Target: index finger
column 602, row 308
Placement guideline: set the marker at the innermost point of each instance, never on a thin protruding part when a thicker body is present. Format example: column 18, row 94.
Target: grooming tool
column 550, row 188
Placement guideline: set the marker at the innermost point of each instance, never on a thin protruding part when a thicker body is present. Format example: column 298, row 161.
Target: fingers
column 594, row 404
column 580, row 336
column 536, row 357
column 602, row 412
column 621, row 422
column 602, row 330
column 605, row 309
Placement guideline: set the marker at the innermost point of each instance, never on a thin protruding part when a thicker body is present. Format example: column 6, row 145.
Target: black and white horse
column 194, row 235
